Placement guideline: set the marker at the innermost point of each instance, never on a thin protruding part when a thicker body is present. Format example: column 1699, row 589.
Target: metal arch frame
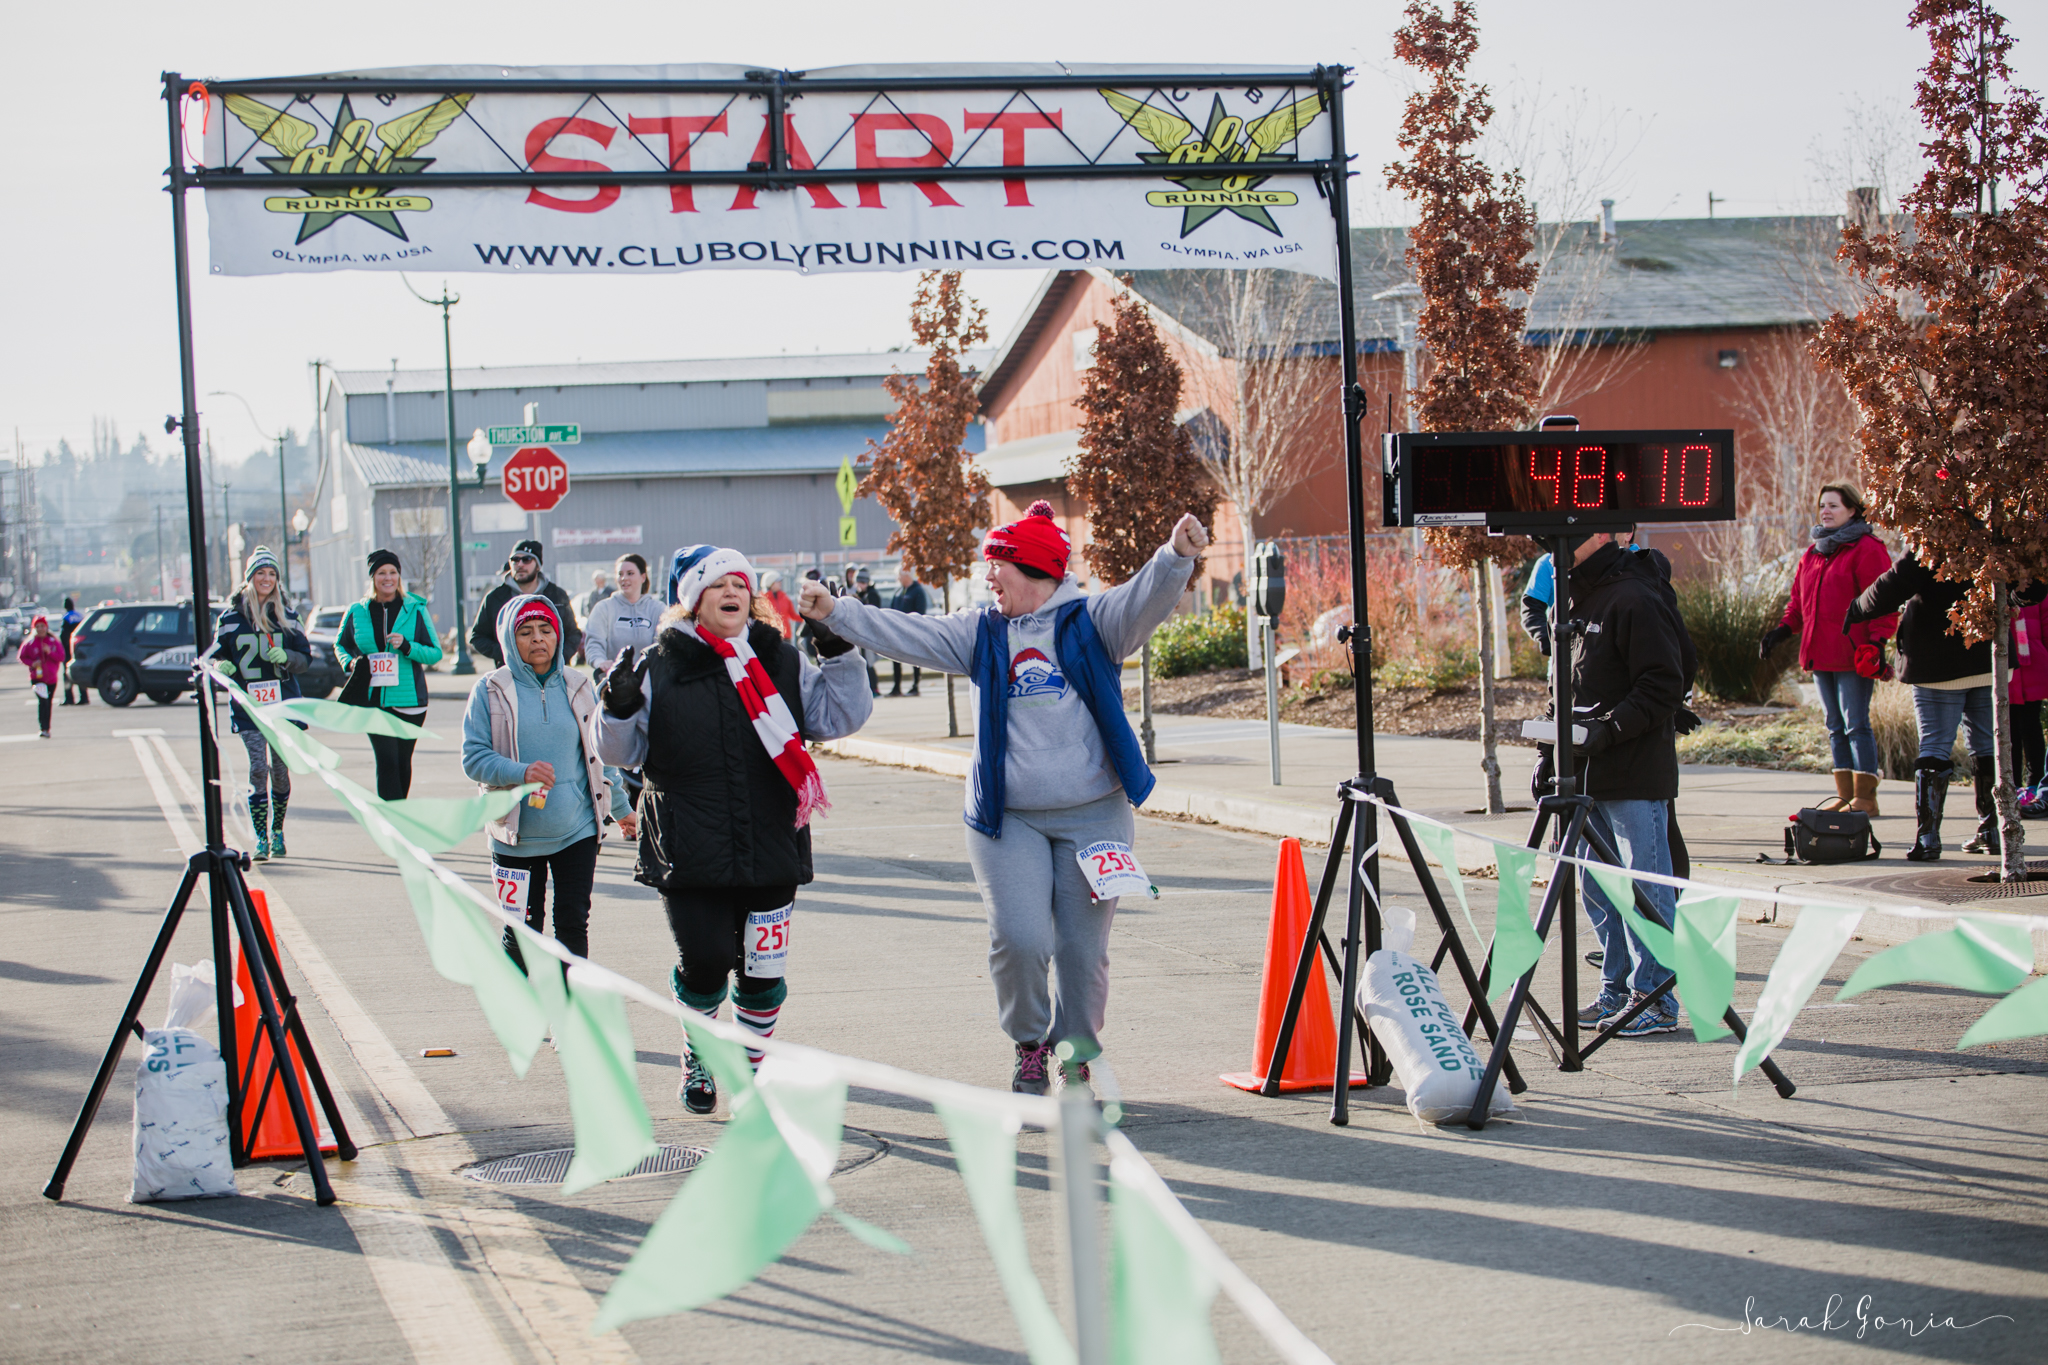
column 1358, row 855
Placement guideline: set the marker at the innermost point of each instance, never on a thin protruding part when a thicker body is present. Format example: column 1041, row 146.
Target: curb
column 1287, row 821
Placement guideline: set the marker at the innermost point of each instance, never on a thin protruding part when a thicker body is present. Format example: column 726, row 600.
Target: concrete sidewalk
column 1219, row 770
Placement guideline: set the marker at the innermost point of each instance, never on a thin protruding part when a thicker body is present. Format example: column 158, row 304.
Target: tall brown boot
column 1845, row 791
column 1866, row 794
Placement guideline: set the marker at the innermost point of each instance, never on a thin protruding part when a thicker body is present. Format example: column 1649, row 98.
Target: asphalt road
column 1622, row 1204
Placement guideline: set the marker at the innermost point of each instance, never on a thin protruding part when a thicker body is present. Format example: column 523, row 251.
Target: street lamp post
column 463, row 664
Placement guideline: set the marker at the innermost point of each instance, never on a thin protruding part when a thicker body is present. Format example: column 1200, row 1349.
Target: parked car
column 13, row 625
column 323, row 675
column 135, row 649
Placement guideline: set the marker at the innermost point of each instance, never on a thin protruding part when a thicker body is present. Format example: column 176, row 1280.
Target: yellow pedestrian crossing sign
column 846, row 483
column 849, row 532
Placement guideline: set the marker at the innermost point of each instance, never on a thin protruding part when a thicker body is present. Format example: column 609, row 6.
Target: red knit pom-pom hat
column 1035, row 541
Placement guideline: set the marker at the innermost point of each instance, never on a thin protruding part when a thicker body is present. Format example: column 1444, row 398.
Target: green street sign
column 478, row 545
column 846, row 483
column 568, row 434
column 849, row 532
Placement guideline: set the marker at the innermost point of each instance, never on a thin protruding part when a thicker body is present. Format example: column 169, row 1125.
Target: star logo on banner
column 346, row 151
column 1208, row 188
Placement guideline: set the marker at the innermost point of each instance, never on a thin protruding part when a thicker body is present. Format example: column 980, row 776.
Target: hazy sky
column 1739, row 97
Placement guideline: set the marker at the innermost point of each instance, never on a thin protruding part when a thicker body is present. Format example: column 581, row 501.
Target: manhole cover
column 1954, row 885
column 548, row 1168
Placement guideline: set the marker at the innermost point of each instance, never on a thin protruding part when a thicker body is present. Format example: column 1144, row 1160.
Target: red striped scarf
column 772, row 722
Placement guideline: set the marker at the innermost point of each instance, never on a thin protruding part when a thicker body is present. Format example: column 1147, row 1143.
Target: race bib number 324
column 1112, row 870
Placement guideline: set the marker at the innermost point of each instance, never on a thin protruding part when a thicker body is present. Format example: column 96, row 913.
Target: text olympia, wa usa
column 1187, row 206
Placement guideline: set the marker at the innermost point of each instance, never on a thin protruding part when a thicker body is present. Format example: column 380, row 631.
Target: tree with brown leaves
column 921, row 471
column 1470, row 251
column 1136, row 469
column 1947, row 358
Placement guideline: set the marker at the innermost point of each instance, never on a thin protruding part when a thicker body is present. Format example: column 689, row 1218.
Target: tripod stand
column 223, row 867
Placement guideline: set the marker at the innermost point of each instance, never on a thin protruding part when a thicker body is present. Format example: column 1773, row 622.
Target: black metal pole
column 1565, row 762
column 463, row 665
column 202, row 618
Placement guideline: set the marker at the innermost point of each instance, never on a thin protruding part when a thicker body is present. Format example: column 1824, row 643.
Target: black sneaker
column 1605, row 1006
column 700, row 1091
column 1030, row 1077
column 1661, row 1017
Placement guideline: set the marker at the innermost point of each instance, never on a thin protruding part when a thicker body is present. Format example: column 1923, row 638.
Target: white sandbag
column 181, row 1101
column 1406, row 1010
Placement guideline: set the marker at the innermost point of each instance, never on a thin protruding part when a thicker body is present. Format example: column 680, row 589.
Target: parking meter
column 1269, row 581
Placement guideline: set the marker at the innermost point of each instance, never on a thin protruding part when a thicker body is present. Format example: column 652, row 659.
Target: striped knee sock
column 756, row 1011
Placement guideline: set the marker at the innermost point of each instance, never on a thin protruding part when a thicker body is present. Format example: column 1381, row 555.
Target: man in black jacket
column 527, row 578
column 911, row 597
column 1951, row 681
column 1632, row 664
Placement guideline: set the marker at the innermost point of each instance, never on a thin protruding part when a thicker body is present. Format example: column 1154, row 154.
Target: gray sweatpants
column 1039, row 915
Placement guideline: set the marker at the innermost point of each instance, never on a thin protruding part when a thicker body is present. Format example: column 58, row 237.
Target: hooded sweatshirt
column 1056, row 756
column 548, row 733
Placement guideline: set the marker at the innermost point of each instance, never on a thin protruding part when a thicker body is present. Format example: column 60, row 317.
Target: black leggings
column 708, row 924
column 2026, row 733
column 575, row 869
column 43, row 712
column 394, row 759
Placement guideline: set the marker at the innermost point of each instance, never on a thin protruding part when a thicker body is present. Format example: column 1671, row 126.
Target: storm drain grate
column 548, row 1168
column 1954, row 885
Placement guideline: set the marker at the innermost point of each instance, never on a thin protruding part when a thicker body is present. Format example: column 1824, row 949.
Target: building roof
column 719, row 370
column 804, row 449
column 1693, row 273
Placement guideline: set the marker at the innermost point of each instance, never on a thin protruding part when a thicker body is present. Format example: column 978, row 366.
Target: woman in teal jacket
column 394, row 631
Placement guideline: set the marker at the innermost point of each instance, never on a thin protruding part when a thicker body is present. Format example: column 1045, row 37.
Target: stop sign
column 536, row 478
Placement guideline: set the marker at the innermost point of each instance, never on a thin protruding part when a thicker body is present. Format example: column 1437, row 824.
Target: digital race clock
column 1528, row 481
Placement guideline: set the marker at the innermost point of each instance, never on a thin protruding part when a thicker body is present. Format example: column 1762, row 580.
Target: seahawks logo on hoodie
column 1032, row 674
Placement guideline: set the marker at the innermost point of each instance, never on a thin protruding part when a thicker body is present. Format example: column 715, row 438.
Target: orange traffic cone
column 1312, row 1054
column 274, row 1136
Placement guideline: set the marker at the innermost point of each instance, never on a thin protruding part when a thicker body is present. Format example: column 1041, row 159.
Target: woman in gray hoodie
column 534, row 722
column 1056, row 767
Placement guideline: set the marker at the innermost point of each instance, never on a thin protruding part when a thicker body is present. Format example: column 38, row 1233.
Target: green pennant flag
column 1442, row 844
column 1808, row 951
column 2023, row 1014
column 1160, row 1296
column 1703, row 955
column 343, row 719
column 1982, row 953
column 739, row 1210
column 435, row 824
column 300, row 752
column 985, row 1149
column 613, row 1131
column 467, row 938
column 1515, row 946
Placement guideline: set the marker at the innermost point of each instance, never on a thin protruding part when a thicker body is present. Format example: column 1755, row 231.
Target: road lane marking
column 429, row 1298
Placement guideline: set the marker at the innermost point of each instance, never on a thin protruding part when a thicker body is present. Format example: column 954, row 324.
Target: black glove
column 828, row 645
column 1775, row 636
column 1685, row 720
column 1543, row 781
column 1600, row 737
column 622, row 695
column 1851, row 617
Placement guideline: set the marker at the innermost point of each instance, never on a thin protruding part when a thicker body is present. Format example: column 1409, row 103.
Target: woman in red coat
column 2028, row 689
column 1844, row 559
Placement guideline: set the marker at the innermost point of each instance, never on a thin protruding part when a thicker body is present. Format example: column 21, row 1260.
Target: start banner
column 1021, row 164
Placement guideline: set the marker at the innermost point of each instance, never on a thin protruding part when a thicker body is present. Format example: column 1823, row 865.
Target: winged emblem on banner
column 1207, row 187
column 347, row 150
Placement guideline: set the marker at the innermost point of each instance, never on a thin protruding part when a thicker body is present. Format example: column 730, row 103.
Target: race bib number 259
column 1112, row 870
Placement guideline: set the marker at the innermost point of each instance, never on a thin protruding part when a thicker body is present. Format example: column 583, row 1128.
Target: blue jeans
column 1937, row 709
column 1845, row 701
column 1641, row 838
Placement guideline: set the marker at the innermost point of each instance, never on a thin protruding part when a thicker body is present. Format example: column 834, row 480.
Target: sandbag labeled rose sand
column 1406, row 1010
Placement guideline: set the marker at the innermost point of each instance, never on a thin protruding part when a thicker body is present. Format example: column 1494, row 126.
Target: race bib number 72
column 512, row 883
column 1112, row 870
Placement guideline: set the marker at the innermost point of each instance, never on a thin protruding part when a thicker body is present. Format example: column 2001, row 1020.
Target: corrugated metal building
column 739, row 452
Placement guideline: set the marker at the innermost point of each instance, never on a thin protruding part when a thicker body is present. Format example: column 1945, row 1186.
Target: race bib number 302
column 1112, row 870
column 383, row 670
column 768, row 942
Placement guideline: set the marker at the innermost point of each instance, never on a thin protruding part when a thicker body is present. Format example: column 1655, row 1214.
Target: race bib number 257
column 768, row 942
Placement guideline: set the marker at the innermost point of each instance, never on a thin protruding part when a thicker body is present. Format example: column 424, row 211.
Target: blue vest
column 1098, row 679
